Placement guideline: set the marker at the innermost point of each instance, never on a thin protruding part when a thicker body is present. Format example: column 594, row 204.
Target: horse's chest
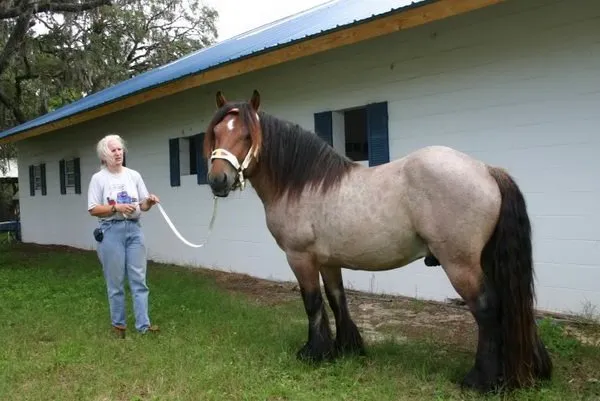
column 290, row 231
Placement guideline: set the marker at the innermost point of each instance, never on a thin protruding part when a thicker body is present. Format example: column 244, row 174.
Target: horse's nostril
column 219, row 181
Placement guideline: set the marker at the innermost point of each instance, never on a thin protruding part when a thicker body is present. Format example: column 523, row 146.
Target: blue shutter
column 43, row 174
column 174, row 162
column 77, row 168
column 324, row 126
column 31, row 181
column 377, row 133
column 61, row 172
column 201, row 163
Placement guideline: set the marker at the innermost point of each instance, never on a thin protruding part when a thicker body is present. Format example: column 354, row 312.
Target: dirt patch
column 405, row 318
column 584, row 333
column 378, row 317
column 400, row 318
column 264, row 292
column 42, row 249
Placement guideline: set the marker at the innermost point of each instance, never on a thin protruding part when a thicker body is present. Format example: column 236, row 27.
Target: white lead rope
column 188, row 243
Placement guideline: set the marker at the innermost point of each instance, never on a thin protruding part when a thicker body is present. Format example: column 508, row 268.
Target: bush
column 6, row 203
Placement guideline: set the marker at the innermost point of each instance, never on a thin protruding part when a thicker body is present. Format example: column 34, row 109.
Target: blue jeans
column 123, row 254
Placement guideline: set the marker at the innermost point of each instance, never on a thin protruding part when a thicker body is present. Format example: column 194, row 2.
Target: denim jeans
column 123, row 254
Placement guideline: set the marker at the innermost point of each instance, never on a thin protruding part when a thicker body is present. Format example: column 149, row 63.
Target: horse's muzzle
column 221, row 183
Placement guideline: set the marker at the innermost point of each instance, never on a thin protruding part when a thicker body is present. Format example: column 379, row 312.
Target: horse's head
column 232, row 143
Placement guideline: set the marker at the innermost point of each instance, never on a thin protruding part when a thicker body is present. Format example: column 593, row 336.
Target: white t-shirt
column 107, row 188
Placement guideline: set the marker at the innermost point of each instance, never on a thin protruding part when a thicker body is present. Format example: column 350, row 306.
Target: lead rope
column 188, row 243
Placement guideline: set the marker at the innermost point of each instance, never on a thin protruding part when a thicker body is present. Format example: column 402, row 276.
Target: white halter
column 227, row 155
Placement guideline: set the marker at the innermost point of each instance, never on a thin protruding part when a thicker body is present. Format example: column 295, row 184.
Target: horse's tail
column 507, row 263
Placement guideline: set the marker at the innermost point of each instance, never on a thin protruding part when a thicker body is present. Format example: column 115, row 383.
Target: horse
column 327, row 212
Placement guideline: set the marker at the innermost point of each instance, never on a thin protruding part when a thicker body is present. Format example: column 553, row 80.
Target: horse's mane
column 292, row 157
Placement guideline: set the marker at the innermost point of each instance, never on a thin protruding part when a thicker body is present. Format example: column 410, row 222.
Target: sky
column 238, row 16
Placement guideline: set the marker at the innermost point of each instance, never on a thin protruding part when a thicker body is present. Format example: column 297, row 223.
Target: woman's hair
column 103, row 150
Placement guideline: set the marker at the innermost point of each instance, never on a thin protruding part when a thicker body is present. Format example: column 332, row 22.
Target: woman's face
column 115, row 157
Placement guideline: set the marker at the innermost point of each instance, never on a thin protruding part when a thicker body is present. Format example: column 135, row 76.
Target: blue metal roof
column 318, row 20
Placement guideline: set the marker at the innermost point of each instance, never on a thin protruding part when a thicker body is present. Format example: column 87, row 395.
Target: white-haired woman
column 116, row 196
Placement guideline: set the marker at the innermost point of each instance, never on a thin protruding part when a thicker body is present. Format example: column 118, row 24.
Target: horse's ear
column 255, row 100
column 220, row 100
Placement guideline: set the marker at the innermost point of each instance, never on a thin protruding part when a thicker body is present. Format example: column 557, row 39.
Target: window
column 70, row 176
column 356, row 143
column 37, row 179
column 185, row 158
column 360, row 133
column 187, row 155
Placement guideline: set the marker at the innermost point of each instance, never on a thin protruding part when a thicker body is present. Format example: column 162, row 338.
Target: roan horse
column 327, row 212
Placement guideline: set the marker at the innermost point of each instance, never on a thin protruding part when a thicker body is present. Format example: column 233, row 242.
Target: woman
column 117, row 195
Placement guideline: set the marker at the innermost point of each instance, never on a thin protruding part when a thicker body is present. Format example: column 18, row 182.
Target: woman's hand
column 152, row 199
column 126, row 208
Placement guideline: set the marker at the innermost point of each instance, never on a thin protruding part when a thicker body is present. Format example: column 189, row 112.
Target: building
column 514, row 83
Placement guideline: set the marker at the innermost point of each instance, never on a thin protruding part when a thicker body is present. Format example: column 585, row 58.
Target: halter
column 227, row 155
column 221, row 153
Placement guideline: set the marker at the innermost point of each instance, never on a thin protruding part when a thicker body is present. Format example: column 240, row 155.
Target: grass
column 214, row 345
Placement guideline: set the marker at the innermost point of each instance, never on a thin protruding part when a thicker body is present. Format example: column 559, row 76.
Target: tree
column 56, row 52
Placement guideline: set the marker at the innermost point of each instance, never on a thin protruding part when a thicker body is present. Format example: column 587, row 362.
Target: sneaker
column 151, row 329
column 119, row 331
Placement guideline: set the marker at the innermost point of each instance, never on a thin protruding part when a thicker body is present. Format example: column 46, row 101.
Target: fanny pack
column 98, row 234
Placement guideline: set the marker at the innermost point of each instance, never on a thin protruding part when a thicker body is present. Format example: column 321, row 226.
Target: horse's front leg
column 320, row 340
column 348, row 339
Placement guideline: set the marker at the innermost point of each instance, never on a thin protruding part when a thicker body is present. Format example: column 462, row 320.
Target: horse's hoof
column 349, row 340
column 350, row 346
column 350, row 349
column 315, row 354
column 476, row 380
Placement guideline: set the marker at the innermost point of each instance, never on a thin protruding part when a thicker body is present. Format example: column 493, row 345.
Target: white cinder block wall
column 515, row 85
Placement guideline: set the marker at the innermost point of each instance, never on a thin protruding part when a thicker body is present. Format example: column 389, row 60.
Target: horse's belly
column 373, row 252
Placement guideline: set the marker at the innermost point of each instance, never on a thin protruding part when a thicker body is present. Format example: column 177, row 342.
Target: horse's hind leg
column 320, row 340
column 467, row 279
column 348, row 339
column 486, row 374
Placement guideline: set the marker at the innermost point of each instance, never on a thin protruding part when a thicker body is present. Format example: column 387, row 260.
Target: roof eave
column 379, row 25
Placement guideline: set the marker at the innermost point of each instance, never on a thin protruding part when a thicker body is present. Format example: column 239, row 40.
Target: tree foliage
column 55, row 52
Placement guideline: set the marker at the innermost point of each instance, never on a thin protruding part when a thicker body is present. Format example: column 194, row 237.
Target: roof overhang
column 383, row 24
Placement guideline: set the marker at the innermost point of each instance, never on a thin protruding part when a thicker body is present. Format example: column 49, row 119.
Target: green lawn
column 214, row 345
